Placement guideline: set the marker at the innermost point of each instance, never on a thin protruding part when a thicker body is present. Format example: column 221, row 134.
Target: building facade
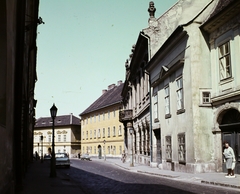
column 136, row 113
column 102, row 133
column 222, row 30
column 191, row 63
column 194, row 85
column 19, row 21
column 67, row 135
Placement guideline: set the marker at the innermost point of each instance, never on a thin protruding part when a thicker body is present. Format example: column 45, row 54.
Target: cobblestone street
column 99, row 177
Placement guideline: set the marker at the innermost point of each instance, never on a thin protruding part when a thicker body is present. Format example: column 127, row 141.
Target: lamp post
column 131, row 133
column 53, row 111
column 104, row 150
column 42, row 148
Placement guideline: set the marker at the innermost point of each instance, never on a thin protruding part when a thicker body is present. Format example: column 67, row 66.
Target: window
column 49, row 138
column 59, row 138
column 224, row 61
column 103, row 132
column 95, row 133
column 86, row 134
column 108, row 131
column 114, row 150
column 108, row 114
column 114, row 113
column 83, row 135
column 155, row 107
column 90, row 119
column 98, row 117
column 95, row 151
column 108, row 149
column 94, row 118
column 83, row 149
column 179, row 93
column 114, row 131
column 168, row 148
column 167, row 100
column 120, row 149
column 120, row 130
column 181, row 148
column 206, row 97
column 103, row 116
column 90, row 136
column 64, row 138
column 99, row 133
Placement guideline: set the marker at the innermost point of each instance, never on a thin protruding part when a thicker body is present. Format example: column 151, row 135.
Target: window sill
column 156, row 120
column 182, row 162
column 180, row 111
column 205, row 105
column 226, row 80
column 167, row 116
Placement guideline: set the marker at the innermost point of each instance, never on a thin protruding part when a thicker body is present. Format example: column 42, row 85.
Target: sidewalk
column 214, row 178
column 38, row 181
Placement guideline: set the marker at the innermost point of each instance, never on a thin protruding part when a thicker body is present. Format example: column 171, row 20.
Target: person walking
column 229, row 157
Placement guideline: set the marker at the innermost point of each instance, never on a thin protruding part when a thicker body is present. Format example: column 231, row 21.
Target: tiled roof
column 110, row 97
column 62, row 120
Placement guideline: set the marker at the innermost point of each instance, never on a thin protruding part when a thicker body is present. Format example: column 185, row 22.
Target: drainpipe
column 150, row 96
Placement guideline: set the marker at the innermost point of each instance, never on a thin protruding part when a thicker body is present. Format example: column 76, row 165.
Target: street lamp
column 42, row 148
column 53, row 111
column 104, row 150
column 131, row 133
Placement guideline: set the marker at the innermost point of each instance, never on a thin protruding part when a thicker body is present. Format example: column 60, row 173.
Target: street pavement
column 204, row 178
column 113, row 176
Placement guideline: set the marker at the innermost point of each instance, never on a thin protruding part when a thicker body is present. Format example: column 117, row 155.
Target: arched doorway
column 99, row 151
column 229, row 123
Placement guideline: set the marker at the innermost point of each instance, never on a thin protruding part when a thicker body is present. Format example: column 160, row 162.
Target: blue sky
column 82, row 48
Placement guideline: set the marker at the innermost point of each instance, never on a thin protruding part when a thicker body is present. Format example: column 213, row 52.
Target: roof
column 110, row 97
column 59, row 121
column 223, row 12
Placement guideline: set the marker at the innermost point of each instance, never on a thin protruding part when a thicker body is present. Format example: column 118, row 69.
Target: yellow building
column 102, row 133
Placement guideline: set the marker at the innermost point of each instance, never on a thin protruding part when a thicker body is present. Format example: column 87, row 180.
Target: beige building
column 67, row 135
column 102, row 133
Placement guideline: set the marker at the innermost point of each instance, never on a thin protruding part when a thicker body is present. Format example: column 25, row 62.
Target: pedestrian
column 229, row 157
column 36, row 155
column 79, row 155
column 123, row 156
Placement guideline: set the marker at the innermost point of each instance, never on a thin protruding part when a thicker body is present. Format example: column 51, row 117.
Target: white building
column 194, row 84
column 67, row 135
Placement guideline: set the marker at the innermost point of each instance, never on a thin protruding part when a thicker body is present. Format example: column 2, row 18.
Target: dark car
column 47, row 157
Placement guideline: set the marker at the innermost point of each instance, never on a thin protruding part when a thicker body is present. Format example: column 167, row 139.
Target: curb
column 220, row 184
column 172, row 176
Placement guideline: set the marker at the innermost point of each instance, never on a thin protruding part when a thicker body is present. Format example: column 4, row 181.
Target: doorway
column 230, row 127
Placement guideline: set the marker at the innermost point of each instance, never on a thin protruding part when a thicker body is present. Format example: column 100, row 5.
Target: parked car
column 85, row 157
column 47, row 157
column 62, row 159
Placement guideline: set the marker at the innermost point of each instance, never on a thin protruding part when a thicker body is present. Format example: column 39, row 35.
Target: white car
column 62, row 159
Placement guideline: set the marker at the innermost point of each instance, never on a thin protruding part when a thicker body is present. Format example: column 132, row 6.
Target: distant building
column 100, row 123
column 67, row 135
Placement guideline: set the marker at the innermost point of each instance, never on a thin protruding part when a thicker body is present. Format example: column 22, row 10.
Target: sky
column 82, row 48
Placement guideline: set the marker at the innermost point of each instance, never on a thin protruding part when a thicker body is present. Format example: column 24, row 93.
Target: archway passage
column 230, row 127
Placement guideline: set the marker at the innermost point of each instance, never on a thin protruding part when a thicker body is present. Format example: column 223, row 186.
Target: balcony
column 125, row 116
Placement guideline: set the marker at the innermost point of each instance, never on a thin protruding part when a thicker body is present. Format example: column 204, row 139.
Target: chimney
column 119, row 82
column 111, row 86
column 103, row 91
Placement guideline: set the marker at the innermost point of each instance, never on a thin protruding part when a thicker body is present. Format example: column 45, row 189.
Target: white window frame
column 179, row 91
column 224, row 57
column 167, row 100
